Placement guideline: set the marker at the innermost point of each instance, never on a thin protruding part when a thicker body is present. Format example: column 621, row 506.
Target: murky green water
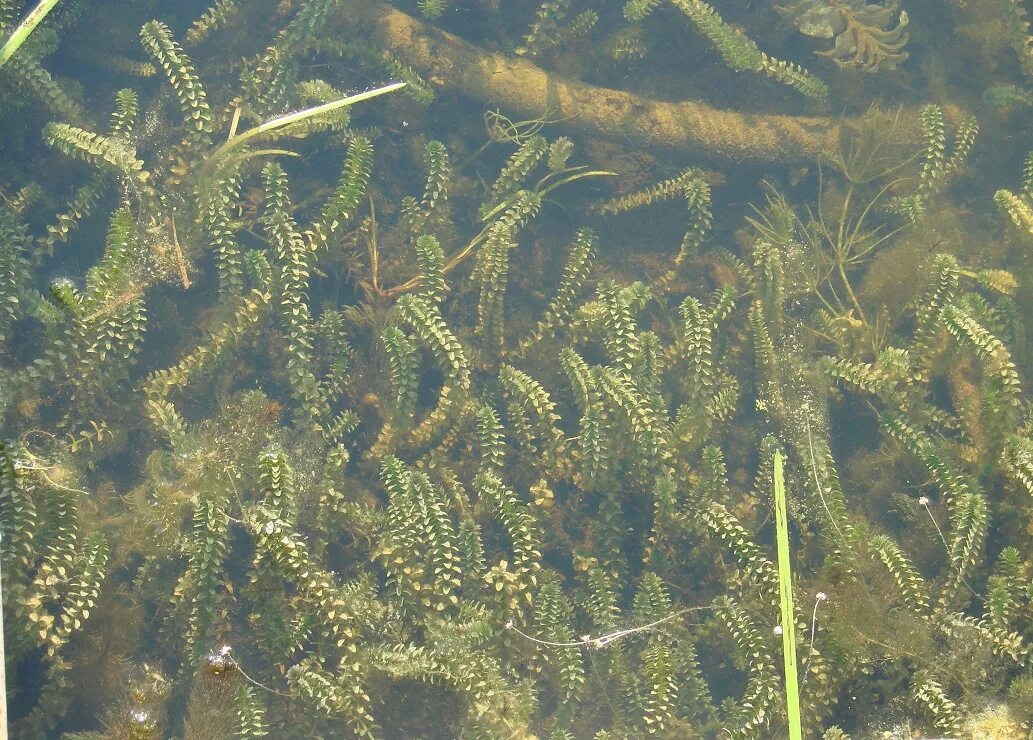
column 450, row 412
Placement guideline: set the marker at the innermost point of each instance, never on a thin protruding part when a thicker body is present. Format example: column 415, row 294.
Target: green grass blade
column 785, row 587
column 27, row 26
column 286, row 120
column 219, row 156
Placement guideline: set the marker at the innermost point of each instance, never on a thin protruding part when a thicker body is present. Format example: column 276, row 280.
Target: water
column 452, row 414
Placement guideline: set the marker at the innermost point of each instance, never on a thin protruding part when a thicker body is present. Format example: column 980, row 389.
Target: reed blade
column 27, row 26
column 785, row 588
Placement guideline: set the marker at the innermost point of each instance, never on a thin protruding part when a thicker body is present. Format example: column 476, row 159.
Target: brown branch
column 521, row 88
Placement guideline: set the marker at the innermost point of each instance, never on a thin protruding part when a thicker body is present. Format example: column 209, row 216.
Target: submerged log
column 524, row 89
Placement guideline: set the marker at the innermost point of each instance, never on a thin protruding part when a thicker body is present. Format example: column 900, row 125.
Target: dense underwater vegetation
column 452, row 413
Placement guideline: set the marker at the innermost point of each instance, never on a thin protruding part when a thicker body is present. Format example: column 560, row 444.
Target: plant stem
column 27, row 26
column 785, row 588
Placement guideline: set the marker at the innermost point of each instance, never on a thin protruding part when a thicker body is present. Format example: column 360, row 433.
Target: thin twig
column 180, row 259
column 374, row 257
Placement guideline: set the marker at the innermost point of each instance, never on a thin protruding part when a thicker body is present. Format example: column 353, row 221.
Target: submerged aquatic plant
column 330, row 420
column 1019, row 206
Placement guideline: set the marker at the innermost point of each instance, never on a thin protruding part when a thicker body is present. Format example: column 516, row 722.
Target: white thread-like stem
column 602, row 641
